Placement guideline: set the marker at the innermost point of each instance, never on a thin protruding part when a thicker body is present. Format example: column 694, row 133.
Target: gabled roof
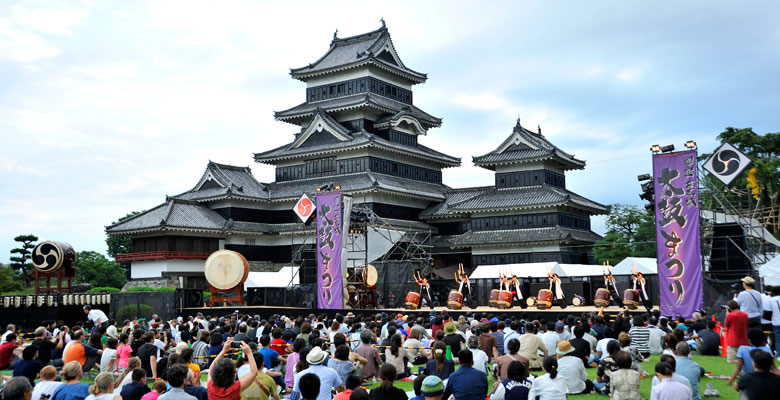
column 524, row 145
column 526, row 197
column 372, row 48
column 304, row 111
column 507, row 237
column 220, row 180
column 454, row 196
column 175, row 214
column 322, row 121
column 361, row 139
column 404, row 119
column 357, row 183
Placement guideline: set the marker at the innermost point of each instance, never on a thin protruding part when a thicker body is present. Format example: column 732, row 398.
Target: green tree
column 23, row 255
column 764, row 150
column 630, row 233
column 8, row 281
column 121, row 244
column 95, row 268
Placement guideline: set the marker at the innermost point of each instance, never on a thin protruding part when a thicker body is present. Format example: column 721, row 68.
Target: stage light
column 337, row 187
column 655, row 148
column 667, row 149
column 690, row 144
column 644, row 177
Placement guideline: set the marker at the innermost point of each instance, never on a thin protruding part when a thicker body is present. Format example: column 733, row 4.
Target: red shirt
column 736, row 329
column 435, row 328
column 232, row 392
column 7, row 353
column 279, row 346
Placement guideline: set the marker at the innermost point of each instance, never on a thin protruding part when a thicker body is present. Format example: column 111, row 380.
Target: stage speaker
column 727, row 260
column 190, row 297
column 275, row 297
column 308, row 271
column 255, row 296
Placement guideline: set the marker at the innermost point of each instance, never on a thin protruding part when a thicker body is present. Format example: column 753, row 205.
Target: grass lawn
column 716, row 365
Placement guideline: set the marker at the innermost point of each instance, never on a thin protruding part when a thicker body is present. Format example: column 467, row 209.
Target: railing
column 163, row 255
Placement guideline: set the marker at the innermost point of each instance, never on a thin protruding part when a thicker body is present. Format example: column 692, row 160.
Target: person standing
column 97, row 316
column 467, row 383
column 750, row 302
column 736, row 330
column 775, row 304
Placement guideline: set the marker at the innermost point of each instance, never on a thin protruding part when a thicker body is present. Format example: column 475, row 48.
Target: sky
column 107, row 107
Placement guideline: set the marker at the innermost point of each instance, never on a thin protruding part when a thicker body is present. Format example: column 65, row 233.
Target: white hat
column 316, row 356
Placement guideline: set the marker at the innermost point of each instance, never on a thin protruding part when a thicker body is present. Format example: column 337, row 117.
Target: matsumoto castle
column 361, row 129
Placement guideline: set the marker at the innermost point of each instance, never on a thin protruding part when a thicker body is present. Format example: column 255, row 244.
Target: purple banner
column 329, row 251
column 677, row 232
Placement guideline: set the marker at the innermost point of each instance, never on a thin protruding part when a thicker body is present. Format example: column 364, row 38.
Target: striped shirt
column 640, row 338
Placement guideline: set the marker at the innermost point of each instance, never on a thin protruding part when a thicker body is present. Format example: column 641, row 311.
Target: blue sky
column 106, row 107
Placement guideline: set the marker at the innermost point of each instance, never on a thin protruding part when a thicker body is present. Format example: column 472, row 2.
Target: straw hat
column 449, row 328
column 564, row 347
column 748, row 281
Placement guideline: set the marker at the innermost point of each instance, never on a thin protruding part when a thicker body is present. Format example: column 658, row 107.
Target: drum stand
column 63, row 275
column 234, row 294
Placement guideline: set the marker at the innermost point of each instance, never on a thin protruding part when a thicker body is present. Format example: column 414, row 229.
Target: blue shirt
column 269, row 355
column 744, row 353
column 499, row 341
column 76, row 391
column 690, row 370
column 467, row 383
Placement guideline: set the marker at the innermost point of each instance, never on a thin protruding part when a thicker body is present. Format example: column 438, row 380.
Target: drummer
column 555, row 287
column 637, row 277
column 517, row 292
column 463, row 280
column 609, row 284
column 423, row 282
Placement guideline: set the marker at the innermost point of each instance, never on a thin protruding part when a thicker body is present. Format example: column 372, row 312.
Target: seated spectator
column 309, row 386
column 46, row 346
column 580, row 345
column 86, row 355
column 7, row 350
column 480, row 357
column 137, row 387
column 516, row 385
column 126, row 376
column 158, row 388
column 467, row 382
column 386, row 391
column 624, row 383
column 28, row 366
column 109, row 360
column 177, row 378
column 432, row 388
column 416, row 386
column 512, row 347
column 340, row 362
column 761, row 383
column 572, row 370
column 688, row 368
column 550, row 385
column 222, row 374
column 263, row 387
column 607, row 366
column 668, row 388
column 103, row 388
column 367, row 351
column 708, row 341
column 18, row 388
column 72, row 389
column 353, row 382
column 328, row 378
column 675, row 376
column 440, row 365
column 47, row 385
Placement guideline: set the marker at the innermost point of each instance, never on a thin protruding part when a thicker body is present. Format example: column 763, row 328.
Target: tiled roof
column 230, row 181
column 523, row 145
column 360, row 139
column 359, row 183
column 453, row 196
column 304, row 110
column 523, row 236
column 353, row 51
column 174, row 214
column 525, row 197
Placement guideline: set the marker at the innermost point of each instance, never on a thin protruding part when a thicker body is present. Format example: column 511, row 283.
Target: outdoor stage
column 533, row 313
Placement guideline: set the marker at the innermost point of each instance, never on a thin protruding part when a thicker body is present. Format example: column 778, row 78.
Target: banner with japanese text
column 677, row 232
column 329, row 238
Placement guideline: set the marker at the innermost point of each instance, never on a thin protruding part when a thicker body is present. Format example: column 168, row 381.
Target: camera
column 235, row 345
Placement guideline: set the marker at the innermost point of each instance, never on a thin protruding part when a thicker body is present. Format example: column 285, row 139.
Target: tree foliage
column 20, row 260
column 630, row 233
column 121, row 244
column 8, row 281
column 96, row 269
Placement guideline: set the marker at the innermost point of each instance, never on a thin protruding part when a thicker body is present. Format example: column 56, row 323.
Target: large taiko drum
column 49, row 256
column 368, row 275
column 601, row 299
column 412, row 300
column 226, row 269
column 631, row 298
column 504, row 299
column 455, row 300
column 493, row 299
column 544, row 299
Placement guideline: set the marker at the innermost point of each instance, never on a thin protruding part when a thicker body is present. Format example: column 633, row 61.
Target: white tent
column 273, row 279
column 534, row 270
column 770, row 272
column 647, row 266
column 573, row 270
